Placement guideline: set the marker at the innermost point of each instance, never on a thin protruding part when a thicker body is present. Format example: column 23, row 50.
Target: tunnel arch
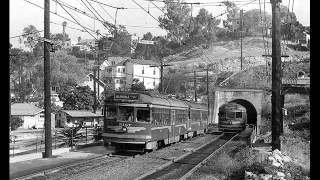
column 251, row 110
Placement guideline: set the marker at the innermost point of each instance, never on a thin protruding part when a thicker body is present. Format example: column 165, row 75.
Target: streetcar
column 145, row 122
column 232, row 117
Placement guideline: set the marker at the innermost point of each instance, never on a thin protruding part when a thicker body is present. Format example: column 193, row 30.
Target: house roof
column 138, row 61
column 81, row 113
column 24, row 109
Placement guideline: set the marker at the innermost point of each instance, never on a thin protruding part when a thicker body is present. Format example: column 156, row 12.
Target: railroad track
column 183, row 168
column 72, row 170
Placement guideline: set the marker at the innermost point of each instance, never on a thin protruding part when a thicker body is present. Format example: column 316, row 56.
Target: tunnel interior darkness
column 251, row 110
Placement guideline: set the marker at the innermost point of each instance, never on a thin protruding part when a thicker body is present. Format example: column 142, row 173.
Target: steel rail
column 97, row 169
column 57, row 168
column 165, row 172
column 188, row 174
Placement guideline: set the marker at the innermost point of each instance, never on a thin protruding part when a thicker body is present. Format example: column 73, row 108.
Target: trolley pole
column 276, row 75
column 47, row 91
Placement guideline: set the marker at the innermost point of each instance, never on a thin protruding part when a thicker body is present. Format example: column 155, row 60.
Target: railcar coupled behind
column 139, row 121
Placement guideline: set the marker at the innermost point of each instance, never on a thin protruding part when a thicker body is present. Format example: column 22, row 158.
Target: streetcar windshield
column 111, row 112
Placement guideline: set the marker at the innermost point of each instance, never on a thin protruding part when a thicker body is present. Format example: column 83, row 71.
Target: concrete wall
column 254, row 97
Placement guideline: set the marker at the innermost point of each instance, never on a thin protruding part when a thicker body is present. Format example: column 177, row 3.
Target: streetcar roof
column 194, row 105
column 138, row 99
column 162, row 101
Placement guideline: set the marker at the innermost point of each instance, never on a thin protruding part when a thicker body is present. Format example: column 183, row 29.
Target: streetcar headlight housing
column 124, row 129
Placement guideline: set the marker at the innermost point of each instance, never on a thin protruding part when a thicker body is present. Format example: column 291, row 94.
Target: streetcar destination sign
column 126, row 96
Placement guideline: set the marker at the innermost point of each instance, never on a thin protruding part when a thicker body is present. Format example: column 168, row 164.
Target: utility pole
column 276, row 76
column 241, row 17
column 195, row 86
column 47, row 90
column 161, row 73
column 208, row 95
column 94, row 90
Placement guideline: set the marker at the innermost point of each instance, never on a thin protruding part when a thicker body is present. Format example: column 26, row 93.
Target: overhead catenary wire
column 102, row 21
column 145, row 10
column 58, row 15
column 77, row 21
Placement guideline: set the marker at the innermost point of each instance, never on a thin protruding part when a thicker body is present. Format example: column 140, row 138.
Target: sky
column 136, row 20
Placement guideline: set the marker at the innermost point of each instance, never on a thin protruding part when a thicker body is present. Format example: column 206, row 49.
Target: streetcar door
column 173, row 117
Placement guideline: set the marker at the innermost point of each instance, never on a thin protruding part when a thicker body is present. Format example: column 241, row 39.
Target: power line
column 96, row 16
column 26, row 34
column 108, row 5
column 57, row 14
column 145, row 10
column 67, row 26
column 106, row 12
column 76, row 20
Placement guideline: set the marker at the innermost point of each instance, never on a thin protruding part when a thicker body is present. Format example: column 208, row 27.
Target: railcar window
column 181, row 116
column 230, row 115
column 143, row 115
column 222, row 114
column 111, row 112
column 126, row 113
column 238, row 114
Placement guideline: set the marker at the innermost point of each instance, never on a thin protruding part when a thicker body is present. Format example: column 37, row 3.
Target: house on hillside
column 32, row 116
column 88, row 81
column 111, row 61
column 123, row 73
column 85, row 44
column 75, row 117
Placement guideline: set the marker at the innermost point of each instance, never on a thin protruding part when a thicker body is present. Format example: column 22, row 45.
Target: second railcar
column 232, row 117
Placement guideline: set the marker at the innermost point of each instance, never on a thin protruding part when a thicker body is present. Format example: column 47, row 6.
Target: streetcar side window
column 143, row 115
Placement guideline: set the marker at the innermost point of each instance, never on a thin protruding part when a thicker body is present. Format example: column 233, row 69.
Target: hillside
column 225, row 55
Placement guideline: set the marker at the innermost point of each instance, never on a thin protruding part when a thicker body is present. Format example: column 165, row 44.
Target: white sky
column 23, row 14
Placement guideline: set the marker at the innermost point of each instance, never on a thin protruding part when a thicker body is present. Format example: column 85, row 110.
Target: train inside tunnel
column 236, row 114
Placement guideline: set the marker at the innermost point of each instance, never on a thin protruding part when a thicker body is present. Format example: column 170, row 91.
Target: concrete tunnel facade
column 251, row 99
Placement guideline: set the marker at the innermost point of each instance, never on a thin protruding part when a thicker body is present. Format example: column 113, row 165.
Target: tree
column 76, row 97
column 252, row 21
column 176, row 20
column 21, row 72
column 232, row 13
column 204, row 28
column 137, row 85
column 30, row 36
column 15, row 122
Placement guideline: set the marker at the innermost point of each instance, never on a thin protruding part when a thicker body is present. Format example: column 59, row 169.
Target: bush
column 15, row 122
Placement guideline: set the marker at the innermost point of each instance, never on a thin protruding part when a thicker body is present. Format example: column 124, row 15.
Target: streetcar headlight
column 124, row 129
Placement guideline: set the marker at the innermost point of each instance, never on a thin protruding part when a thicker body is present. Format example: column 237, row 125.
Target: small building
column 32, row 116
column 84, row 117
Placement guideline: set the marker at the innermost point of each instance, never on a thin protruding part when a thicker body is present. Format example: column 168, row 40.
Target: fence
column 33, row 141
